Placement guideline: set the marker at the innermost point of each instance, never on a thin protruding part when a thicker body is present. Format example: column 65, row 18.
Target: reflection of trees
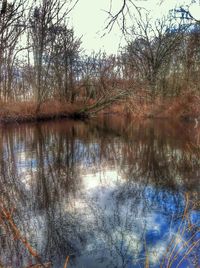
column 42, row 169
column 128, row 221
column 38, row 175
column 157, row 152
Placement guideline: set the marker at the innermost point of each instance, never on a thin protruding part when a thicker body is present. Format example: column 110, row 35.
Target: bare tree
column 65, row 56
column 152, row 44
column 44, row 19
column 11, row 28
column 126, row 10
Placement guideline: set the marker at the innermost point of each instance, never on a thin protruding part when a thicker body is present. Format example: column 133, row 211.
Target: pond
column 105, row 192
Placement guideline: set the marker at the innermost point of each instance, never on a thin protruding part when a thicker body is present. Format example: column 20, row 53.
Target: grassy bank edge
column 27, row 111
column 184, row 108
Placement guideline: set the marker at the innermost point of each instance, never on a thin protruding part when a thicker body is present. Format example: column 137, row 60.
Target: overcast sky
column 89, row 21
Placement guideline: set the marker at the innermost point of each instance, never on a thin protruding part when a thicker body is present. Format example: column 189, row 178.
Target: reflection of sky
column 26, row 159
column 154, row 223
column 118, row 217
column 123, row 230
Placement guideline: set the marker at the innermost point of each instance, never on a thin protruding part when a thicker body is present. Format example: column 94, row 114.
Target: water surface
column 106, row 193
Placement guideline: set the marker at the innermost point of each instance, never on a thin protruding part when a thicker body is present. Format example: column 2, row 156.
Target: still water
column 106, row 193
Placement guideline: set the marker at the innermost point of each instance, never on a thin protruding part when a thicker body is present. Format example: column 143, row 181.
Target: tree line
column 41, row 58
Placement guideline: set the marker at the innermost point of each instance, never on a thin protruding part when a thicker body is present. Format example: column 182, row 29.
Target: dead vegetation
column 11, row 229
column 27, row 111
column 181, row 244
column 139, row 106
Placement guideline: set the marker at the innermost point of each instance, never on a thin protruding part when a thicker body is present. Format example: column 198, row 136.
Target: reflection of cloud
column 131, row 240
column 76, row 205
column 152, row 224
column 179, row 239
column 107, row 178
column 26, row 179
column 117, row 216
column 157, row 252
column 36, row 233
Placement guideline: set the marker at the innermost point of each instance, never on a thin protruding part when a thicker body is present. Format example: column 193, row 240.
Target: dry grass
column 140, row 105
column 179, row 247
column 27, row 111
column 185, row 107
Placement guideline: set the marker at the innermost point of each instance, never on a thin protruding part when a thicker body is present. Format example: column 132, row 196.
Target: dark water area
column 106, row 193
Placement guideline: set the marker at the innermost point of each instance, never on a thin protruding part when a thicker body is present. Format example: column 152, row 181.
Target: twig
column 66, row 262
column 6, row 216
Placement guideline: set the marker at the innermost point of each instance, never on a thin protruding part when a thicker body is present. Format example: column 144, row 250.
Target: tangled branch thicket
column 42, row 60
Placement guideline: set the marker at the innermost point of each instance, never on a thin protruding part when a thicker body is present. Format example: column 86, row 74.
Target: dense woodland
column 43, row 61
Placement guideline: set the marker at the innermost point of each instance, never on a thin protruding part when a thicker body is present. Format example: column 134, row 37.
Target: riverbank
column 27, row 111
column 182, row 108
